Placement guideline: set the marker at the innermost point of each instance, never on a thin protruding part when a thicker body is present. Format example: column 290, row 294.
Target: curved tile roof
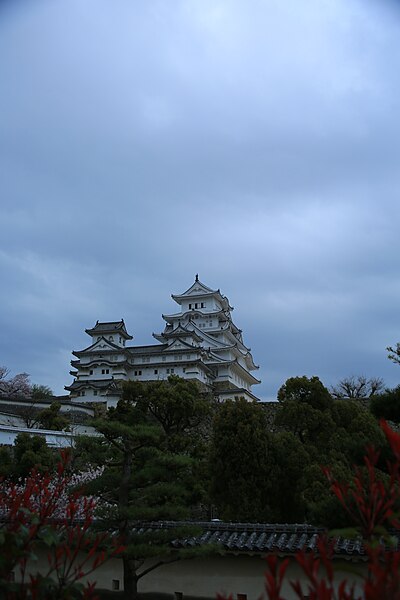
column 109, row 327
column 259, row 538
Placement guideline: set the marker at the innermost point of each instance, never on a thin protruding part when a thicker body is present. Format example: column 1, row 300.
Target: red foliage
column 319, row 572
column 274, row 577
column 32, row 518
column 368, row 500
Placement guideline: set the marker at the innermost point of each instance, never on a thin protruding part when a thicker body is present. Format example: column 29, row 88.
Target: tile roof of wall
column 261, row 538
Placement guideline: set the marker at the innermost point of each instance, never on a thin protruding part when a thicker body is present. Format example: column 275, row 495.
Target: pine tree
column 143, row 481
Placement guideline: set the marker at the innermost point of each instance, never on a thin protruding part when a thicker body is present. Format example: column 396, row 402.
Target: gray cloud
column 258, row 146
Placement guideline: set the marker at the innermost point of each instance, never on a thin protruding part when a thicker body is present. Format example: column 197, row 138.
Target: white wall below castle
column 55, row 439
column 205, row 577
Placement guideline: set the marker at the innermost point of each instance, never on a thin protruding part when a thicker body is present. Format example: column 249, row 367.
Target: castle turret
column 100, row 367
column 114, row 331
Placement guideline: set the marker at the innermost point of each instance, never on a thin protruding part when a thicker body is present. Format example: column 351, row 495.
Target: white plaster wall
column 228, row 574
column 15, row 422
column 56, row 439
column 112, row 569
column 11, row 420
column 206, row 576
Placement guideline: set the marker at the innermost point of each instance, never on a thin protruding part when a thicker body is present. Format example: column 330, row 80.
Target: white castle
column 199, row 342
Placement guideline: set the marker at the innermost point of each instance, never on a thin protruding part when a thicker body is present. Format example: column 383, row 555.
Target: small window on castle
column 83, row 393
column 190, row 306
column 107, row 371
column 167, row 371
column 196, row 305
column 95, row 393
column 203, row 305
column 172, row 370
column 164, row 358
column 91, row 372
column 155, row 371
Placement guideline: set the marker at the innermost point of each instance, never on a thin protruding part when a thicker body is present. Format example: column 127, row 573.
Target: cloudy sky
column 256, row 143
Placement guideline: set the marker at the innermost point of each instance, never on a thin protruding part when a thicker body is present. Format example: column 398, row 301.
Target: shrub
column 41, row 512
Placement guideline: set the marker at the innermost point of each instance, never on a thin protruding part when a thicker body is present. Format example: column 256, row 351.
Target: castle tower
column 205, row 321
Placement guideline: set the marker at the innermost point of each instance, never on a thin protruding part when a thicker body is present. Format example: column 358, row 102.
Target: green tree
column 355, row 429
column 305, row 410
column 320, row 507
column 52, row 418
column 332, row 433
column 31, row 451
column 287, row 460
column 177, row 405
column 306, row 390
column 143, row 480
column 88, row 450
column 387, row 405
column 239, row 461
column 6, row 461
column 41, row 392
column 184, row 413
